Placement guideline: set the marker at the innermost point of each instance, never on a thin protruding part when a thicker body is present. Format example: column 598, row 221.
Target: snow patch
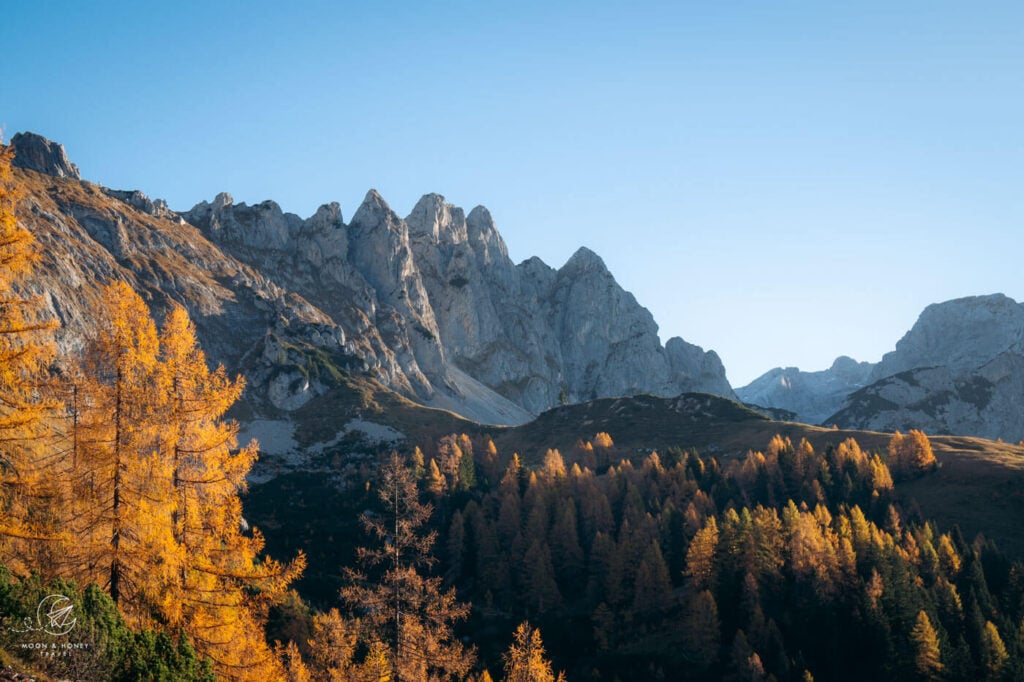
column 275, row 436
column 373, row 431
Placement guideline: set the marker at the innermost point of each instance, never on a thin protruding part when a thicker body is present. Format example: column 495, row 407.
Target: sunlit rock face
column 35, row 152
column 430, row 305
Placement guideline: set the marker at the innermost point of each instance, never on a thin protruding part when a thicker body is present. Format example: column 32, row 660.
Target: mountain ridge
column 430, row 305
column 958, row 370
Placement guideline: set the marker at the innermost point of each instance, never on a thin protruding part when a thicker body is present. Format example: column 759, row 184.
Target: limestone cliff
column 431, row 305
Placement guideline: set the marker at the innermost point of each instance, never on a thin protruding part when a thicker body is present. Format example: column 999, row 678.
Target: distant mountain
column 962, row 335
column 960, row 370
column 430, row 306
column 811, row 396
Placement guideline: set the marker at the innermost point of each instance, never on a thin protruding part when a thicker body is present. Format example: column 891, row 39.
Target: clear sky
column 781, row 182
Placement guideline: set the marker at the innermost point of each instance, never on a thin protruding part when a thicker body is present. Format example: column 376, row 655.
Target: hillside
column 979, row 485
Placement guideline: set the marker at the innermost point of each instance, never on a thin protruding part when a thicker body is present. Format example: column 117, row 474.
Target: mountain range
column 431, row 308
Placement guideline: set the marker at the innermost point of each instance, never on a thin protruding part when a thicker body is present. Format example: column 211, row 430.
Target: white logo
column 54, row 616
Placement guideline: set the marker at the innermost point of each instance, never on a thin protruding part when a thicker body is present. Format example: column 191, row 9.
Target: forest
column 121, row 489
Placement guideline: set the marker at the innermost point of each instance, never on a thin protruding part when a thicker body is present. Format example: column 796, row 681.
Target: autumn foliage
column 120, row 471
column 788, row 564
column 910, row 455
column 27, row 526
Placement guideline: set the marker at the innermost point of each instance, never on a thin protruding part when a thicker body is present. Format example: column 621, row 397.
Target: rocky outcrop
column 140, row 202
column 88, row 239
column 811, row 396
column 983, row 402
column 959, row 370
column 697, row 370
column 36, row 153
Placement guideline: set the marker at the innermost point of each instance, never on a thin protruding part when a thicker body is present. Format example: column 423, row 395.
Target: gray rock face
column 538, row 335
column 983, row 402
column 431, row 305
column 140, row 202
column 961, row 334
column 35, row 152
column 959, row 370
column 697, row 370
column 88, row 238
column 812, row 396
column 446, row 317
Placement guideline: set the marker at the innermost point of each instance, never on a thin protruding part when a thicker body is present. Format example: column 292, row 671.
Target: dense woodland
column 121, row 485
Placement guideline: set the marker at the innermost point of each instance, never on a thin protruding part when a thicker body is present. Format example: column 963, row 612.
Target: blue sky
column 781, row 182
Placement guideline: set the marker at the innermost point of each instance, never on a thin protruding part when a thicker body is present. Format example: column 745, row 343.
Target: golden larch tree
column 156, row 513
column 220, row 587
column 927, row 658
column 700, row 557
column 911, row 454
column 993, row 651
column 525, row 660
column 121, row 486
column 407, row 616
column 27, row 467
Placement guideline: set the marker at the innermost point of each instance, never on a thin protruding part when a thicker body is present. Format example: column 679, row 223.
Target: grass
column 978, row 486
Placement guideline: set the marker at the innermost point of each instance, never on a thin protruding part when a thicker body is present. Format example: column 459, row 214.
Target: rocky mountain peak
column 847, row 369
column 222, row 201
column 811, row 396
column 485, row 238
column 479, row 220
column 37, row 153
column 961, row 333
column 439, row 220
column 375, row 212
column 584, row 260
column 328, row 215
column 139, row 201
column 843, row 362
column 261, row 226
column 431, row 306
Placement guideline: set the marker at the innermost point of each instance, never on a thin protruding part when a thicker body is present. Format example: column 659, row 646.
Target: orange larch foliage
column 911, row 454
column 157, row 518
column 220, row 587
column 525, row 661
column 120, row 485
column 29, row 470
